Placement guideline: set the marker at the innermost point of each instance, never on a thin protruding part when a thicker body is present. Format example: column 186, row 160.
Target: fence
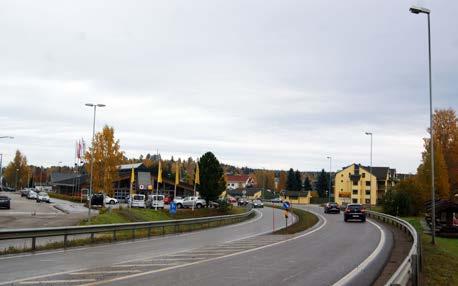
column 409, row 270
column 34, row 233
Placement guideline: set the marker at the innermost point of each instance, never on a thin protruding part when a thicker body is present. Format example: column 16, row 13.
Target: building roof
column 237, row 178
column 77, row 179
column 380, row 173
column 57, row 177
column 239, row 192
column 130, row 166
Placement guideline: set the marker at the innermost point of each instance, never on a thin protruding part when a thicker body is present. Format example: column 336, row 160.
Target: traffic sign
column 286, row 205
column 173, row 208
column 142, row 187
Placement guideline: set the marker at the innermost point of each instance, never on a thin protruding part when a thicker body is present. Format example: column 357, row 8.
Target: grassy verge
column 440, row 261
column 138, row 215
column 305, row 220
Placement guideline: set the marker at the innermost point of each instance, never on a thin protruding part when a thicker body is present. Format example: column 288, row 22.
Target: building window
column 355, row 201
column 355, row 192
column 341, row 190
column 341, row 175
column 368, row 183
column 368, row 201
column 364, row 175
column 355, row 183
column 368, row 193
column 341, row 181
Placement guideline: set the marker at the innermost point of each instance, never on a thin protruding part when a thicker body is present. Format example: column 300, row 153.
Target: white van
column 138, row 201
column 156, row 201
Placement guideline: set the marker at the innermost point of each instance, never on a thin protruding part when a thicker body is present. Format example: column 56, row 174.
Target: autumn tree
column 17, row 171
column 281, row 181
column 107, row 158
column 265, row 179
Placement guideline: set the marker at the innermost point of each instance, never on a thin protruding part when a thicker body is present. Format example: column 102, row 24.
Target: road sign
column 285, row 213
column 142, row 187
column 286, row 205
column 173, row 208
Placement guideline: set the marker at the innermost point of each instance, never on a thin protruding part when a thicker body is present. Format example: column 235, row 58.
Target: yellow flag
column 197, row 178
column 177, row 173
column 159, row 173
column 132, row 176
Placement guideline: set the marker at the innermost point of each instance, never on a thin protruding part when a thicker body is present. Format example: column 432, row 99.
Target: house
column 250, row 193
column 363, row 184
column 296, row 197
column 239, row 181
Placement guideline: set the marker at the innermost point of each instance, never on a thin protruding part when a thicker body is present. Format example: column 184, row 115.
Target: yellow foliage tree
column 17, row 170
column 281, row 181
column 440, row 174
column 107, row 158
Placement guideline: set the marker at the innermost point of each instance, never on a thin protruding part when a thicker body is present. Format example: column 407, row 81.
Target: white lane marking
column 369, row 259
column 56, row 281
column 104, row 272
column 137, row 240
column 324, row 220
column 144, row 265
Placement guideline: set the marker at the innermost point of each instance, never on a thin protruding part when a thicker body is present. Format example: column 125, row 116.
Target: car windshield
column 43, row 194
column 354, row 207
column 139, row 198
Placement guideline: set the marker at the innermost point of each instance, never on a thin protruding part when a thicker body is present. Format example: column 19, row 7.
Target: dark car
column 97, row 199
column 5, row 202
column 355, row 212
column 331, row 208
column 24, row 192
column 242, row 202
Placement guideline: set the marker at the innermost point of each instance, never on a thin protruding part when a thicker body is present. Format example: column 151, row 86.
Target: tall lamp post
column 89, row 196
column 421, row 10
column 370, row 168
column 1, row 159
column 17, row 170
column 330, row 177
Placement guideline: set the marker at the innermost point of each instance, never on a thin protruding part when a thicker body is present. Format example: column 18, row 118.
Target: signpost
column 286, row 207
column 173, row 208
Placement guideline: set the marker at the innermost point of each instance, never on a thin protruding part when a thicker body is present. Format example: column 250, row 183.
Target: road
column 231, row 255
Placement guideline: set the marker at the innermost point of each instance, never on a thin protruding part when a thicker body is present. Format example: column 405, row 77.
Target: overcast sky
column 273, row 84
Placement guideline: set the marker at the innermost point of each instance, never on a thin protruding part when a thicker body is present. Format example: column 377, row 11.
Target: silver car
column 197, row 202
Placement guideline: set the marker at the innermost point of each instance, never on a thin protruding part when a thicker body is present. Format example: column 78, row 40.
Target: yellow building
column 295, row 197
column 356, row 184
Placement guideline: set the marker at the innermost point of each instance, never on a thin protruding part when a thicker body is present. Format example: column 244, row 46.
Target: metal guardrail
column 409, row 270
column 34, row 233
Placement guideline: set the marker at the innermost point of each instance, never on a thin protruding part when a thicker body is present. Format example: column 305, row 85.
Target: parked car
column 242, row 202
column 110, row 201
column 231, row 200
column 32, row 195
column 331, row 207
column 155, row 201
column 138, row 201
column 197, row 202
column 97, row 199
column 25, row 192
column 168, row 200
column 5, row 202
column 179, row 202
column 355, row 212
column 43, row 197
column 276, row 200
column 258, row 204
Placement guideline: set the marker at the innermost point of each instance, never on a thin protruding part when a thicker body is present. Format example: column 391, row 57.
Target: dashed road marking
column 56, row 281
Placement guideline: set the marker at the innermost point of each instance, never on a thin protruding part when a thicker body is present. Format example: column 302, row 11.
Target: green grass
column 440, row 261
column 125, row 215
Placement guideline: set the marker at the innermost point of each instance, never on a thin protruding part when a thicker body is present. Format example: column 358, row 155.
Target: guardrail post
column 114, row 235
column 149, row 232
column 65, row 240
column 34, row 243
column 92, row 237
column 163, row 230
column 133, row 233
column 415, row 266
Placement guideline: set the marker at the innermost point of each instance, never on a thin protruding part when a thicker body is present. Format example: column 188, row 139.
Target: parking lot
column 26, row 213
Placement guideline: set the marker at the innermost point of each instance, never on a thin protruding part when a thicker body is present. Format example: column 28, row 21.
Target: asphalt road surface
column 231, row 255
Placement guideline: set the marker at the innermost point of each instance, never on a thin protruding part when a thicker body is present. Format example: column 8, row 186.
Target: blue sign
column 286, row 205
column 173, row 208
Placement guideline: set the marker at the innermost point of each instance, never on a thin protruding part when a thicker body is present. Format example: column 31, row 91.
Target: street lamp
column 370, row 168
column 421, row 10
column 330, row 177
column 94, row 105
column 17, row 170
column 6, row 137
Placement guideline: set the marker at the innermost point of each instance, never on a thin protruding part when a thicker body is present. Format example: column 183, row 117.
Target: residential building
column 357, row 184
column 239, row 181
column 296, row 197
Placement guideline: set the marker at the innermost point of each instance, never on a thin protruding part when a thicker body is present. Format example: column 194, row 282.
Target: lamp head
column 89, row 104
column 418, row 10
